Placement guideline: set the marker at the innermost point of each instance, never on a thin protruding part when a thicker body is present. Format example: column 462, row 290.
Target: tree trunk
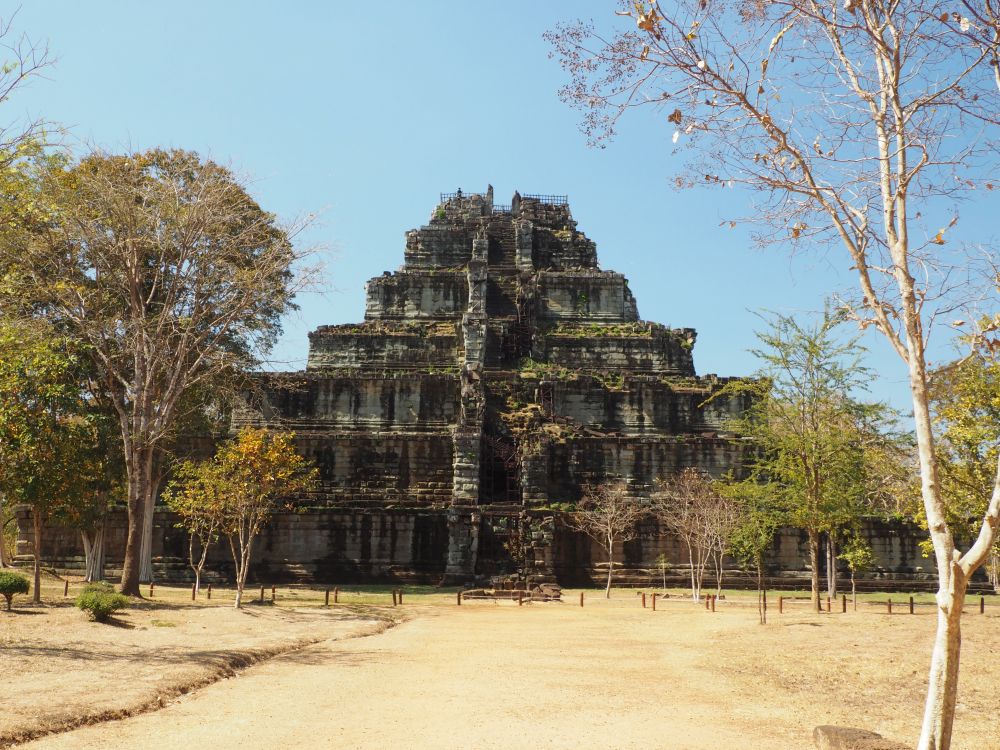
column 694, row 589
column 942, row 691
column 139, row 465
column 36, row 516
column 831, row 564
column 814, row 563
column 4, row 562
column 854, row 592
column 93, row 551
column 607, row 589
column 146, row 548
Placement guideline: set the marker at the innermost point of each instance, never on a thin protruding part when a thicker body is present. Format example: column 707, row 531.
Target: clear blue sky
column 364, row 112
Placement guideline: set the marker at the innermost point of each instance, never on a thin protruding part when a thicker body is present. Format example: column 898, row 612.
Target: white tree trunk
column 942, row 692
column 93, row 552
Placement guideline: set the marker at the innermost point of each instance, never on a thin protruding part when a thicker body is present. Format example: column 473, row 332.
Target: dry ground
column 609, row 675
column 62, row 670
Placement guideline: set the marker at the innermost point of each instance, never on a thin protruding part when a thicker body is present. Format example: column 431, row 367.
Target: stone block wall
column 353, row 347
column 585, row 296
column 417, row 295
column 657, row 350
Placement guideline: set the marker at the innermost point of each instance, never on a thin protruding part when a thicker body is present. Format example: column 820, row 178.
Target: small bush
column 10, row 584
column 100, row 601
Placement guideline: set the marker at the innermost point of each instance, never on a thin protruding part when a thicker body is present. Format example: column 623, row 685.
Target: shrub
column 100, row 601
column 10, row 584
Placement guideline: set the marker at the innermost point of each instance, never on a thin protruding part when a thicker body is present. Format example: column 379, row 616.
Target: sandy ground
column 62, row 670
column 610, row 675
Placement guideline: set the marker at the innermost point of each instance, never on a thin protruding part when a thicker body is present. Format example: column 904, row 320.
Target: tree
column 686, row 505
column 858, row 124
column 45, row 435
column 256, row 471
column 608, row 515
column 169, row 272
column 859, row 557
column 196, row 494
column 12, row 584
column 810, row 434
column 758, row 521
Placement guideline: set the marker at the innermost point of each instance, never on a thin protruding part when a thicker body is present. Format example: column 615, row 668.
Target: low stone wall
column 354, row 545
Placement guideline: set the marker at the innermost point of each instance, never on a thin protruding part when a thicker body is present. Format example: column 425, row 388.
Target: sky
column 362, row 113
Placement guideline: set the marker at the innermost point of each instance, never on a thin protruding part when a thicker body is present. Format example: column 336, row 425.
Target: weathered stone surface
column 845, row 738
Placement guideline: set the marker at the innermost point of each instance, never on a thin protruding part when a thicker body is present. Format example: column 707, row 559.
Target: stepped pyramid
column 498, row 372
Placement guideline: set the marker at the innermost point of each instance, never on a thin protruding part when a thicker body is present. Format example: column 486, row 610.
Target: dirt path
column 541, row 676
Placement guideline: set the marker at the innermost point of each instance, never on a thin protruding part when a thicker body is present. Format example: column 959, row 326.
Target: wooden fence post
column 581, row 598
column 828, row 605
column 781, row 604
column 843, row 604
column 336, row 594
column 394, row 597
column 982, row 605
column 66, row 588
column 643, row 599
column 326, row 598
column 654, row 601
column 193, row 592
column 911, row 605
column 272, row 593
column 458, row 598
column 209, row 591
column 262, row 593
column 889, row 605
column 713, row 602
column 401, row 596
column 520, row 597
column 150, row 591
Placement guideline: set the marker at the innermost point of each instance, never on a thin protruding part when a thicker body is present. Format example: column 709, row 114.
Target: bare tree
column 608, row 515
column 858, row 124
column 686, row 504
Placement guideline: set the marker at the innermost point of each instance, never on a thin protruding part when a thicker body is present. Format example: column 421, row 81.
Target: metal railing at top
column 552, row 200
column 501, row 208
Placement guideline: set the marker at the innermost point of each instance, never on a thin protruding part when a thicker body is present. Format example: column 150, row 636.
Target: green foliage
column 816, row 445
column 48, row 427
column 12, row 584
column 858, row 555
column 965, row 400
column 100, row 601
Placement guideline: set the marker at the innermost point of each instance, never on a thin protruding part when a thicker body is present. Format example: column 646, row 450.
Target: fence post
column 982, row 605
column 643, row 599
column 401, row 596
column 150, row 591
column 262, row 593
column 394, row 597
column 889, row 605
column 458, row 598
column 326, row 598
column 193, row 590
column 654, row 601
column 66, row 587
column 707, row 597
column 272, row 593
column 581, row 598
column 781, row 604
column 843, row 606
column 828, row 605
column 911, row 605
column 713, row 602
column 520, row 597
column 336, row 594
column 209, row 591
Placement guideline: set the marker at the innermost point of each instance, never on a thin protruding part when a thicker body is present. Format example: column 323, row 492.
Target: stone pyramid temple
column 496, row 374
